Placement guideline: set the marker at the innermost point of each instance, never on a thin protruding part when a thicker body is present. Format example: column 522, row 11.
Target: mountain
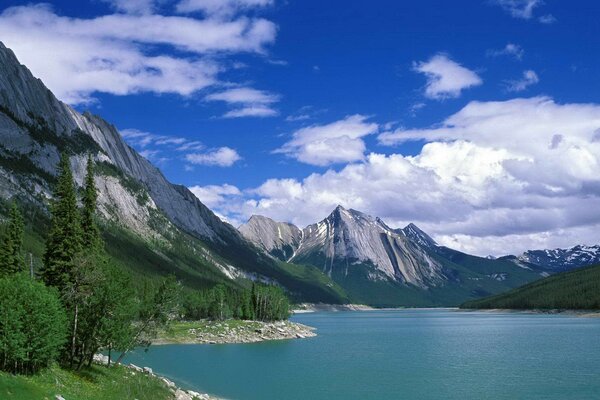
column 150, row 225
column 574, row 290
column 559, row 260
column 280, row 239
column 378, row 265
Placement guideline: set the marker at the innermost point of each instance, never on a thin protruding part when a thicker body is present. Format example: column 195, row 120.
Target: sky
column 477, row 120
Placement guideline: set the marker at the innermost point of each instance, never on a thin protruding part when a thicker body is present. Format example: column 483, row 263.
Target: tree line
column 81, row 303
column 261, row 302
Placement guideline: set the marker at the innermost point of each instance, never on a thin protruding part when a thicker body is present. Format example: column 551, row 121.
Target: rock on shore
column 178, row 393
column 234, row 331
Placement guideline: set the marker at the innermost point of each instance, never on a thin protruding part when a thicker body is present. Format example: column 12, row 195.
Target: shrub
column 33, row 325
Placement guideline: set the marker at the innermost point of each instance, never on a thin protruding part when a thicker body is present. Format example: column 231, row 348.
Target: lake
column 399, row 354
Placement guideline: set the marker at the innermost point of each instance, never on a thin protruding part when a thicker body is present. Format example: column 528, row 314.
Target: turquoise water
column 412, row 354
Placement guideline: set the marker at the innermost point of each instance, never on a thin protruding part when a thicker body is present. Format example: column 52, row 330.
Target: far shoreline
column 566, row 312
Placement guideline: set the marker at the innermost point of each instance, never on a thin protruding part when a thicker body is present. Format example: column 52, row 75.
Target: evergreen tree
column 91, row 233
column 64, row 238
column 11, row 255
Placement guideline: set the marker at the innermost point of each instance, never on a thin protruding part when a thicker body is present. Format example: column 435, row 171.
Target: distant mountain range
column 377, row 264
column 560, row 260
column 154, row 227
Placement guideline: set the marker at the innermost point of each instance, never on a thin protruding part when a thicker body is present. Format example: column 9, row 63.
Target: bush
column 33, row 325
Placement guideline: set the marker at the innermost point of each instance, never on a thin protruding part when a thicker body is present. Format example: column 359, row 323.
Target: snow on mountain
column 558, row 260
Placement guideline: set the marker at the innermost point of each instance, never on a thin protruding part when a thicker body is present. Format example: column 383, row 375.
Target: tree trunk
column 74, row 335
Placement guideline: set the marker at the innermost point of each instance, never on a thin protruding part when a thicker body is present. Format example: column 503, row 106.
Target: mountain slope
column 388, row 267
column 577, row 290
column 171, row 229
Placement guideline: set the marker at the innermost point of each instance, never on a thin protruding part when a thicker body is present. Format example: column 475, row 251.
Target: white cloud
column 524, row 9
column 250, row 102
column 214, row 195
column 134, row 6
column 220, row 7
column 547, row 19
column 337, row 142
column 511, row 49
column 446, row 78
column 519, row 8
column 221, row 157
column 142, row 139
column 529, row 78
column 494, row 178
column 76, row 57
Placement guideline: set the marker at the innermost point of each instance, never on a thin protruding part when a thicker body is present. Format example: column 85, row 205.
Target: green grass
column 95, row 383
column 573, row 290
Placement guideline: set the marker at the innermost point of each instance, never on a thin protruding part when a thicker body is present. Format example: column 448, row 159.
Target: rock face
column 27, row 104
column 558, row 260
column 279, row 239
column 347, row 238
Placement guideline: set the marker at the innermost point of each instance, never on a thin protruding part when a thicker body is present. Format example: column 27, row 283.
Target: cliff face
column 29, row 104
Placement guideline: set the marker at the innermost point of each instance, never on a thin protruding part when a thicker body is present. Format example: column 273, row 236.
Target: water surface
column 400, row 354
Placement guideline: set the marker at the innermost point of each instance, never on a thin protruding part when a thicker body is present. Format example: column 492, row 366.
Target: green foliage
column 573, row 290
column 32, row 325
column 94, row 383
column 100, row 300
column 262, row 302
column 158, row 305
column 270, row 303
column 64, row 239
column 91, row 233
column 11, row 248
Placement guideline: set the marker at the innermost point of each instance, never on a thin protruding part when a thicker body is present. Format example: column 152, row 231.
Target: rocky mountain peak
column 413, row 232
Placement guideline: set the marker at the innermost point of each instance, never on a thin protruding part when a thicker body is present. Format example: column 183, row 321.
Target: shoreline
column 574, row 313
column 177, row 392
column 233, row 331
column 322, row 307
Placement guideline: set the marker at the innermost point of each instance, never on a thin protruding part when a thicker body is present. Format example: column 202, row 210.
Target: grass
column 573, row 290
column 95, row 383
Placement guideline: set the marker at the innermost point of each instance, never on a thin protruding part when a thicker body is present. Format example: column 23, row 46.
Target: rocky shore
column 178, row 393
column 317, row 307
column 233, row 331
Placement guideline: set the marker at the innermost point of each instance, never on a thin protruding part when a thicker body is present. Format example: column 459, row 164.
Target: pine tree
column 91, row 233
column 11, row 255
column 65, row 238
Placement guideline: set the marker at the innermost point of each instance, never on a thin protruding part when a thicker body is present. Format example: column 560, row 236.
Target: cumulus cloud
column 249, row 102
column 221, row 157
column 214, row 195
column 511, row 49
column 446, row 78
column 338, row 142
column 494, row 178
column 529, row 78
column 76, row 57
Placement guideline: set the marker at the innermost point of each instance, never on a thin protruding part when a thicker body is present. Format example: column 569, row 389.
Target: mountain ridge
column 377, row 264
column 134, row 196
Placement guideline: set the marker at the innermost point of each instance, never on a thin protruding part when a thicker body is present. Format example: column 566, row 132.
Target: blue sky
column 286, row 108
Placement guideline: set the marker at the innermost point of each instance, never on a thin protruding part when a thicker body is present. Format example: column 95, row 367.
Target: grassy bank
column 95, row 383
